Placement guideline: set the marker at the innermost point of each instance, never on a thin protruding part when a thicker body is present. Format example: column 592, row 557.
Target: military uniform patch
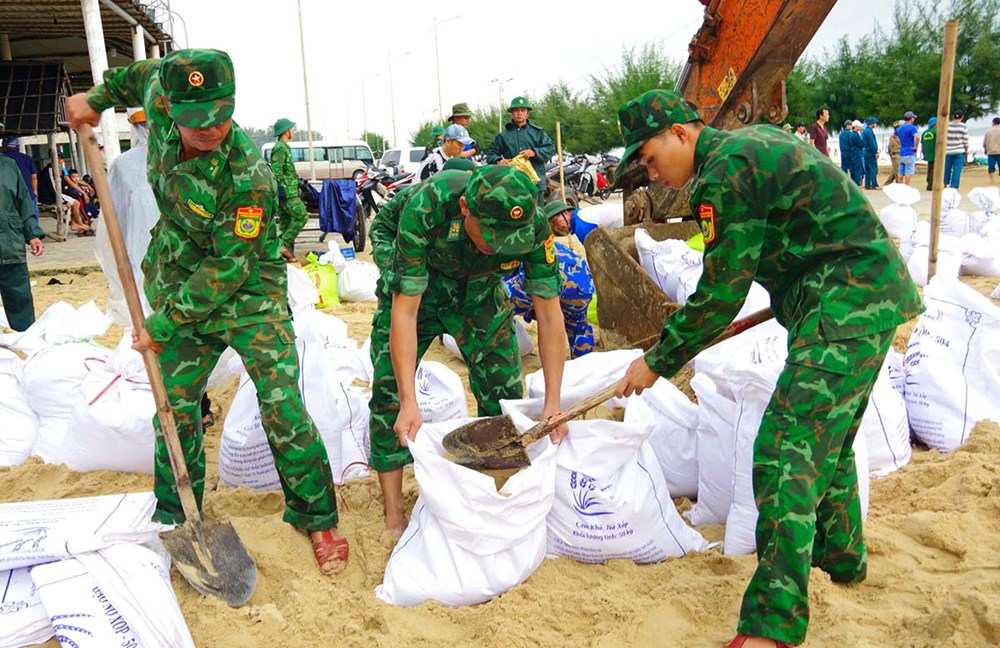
column 550, row 249
column 510, row 265
column 248, row 222
column 454, row 230
column 198, row 209
column 706, row 217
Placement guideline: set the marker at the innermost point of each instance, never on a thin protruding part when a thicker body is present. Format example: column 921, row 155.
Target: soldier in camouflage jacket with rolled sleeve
column 784, row 215
column 458, row 234
column 215, row 278
column 292, row 214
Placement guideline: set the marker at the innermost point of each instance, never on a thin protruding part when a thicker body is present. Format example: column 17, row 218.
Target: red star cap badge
column 196, row 78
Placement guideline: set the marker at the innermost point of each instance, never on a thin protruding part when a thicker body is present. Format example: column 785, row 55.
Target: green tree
column 422, row 136
column 377, row 143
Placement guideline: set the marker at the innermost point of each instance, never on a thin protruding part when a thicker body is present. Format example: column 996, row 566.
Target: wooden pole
column 62, row 216
column 941, row 141
column 562, row 175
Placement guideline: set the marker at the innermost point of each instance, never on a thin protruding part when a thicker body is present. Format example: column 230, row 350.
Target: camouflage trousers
column 574, row 299
column 292, row 217
column 480, row 318
column 805, row 482
column 268, row 353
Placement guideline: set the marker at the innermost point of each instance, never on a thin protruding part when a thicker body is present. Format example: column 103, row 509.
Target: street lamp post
column 305, row 88
column 500, row 83
column 392, row 103
column 437, row 63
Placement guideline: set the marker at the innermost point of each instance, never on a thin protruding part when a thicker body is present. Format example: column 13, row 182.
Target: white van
column 337, row 160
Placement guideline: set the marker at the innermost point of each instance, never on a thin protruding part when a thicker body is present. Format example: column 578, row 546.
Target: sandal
column 329, row 547
column 741, row 639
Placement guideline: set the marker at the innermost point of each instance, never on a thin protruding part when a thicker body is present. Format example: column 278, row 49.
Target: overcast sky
column 348, row 48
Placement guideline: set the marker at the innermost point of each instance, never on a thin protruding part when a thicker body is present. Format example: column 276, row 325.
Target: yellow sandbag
column 697, row 242
column 592, row 311
column 325, row 278
column 519, row 162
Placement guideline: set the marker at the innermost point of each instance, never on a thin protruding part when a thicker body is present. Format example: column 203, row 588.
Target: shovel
column 494, row 443
column 209, row 555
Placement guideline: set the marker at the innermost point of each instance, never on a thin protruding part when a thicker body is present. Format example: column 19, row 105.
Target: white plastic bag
column 988, row 201
column 884, row 426
column 24, row 620
column 525, row 344
column 900, row 218
column 951, row 250
column 952, row 364
column 674, row 419
column 440, row 393
column 609, row 214
column 663, row 259
column 357, row 282
column 466, row 542
column 19, row 429
column 981, row 256
column 592, row 372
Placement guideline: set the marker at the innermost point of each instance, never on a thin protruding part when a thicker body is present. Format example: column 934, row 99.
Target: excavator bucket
column 630, row 306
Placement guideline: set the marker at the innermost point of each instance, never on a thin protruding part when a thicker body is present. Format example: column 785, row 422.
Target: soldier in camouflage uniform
column 292, row 214
column 215, row 278
column 782, row 214
column 576, row 293
column 457, row 235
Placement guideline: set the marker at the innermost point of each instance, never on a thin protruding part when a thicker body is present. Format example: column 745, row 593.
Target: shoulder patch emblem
column 198, row 209
column 706, row 218
column 550, row 249
column 248, row 220
column 516, row 212
column 196, row 78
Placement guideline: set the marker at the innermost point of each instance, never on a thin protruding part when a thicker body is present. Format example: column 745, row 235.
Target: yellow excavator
column 735, row 74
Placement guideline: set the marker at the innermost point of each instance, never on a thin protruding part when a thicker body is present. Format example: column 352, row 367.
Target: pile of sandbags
column 20, row 423
column 952, row 364
column 951, row 253
column 900, row 218
column 988, row 201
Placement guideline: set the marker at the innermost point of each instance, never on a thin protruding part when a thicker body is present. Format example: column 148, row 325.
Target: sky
column 353, row 49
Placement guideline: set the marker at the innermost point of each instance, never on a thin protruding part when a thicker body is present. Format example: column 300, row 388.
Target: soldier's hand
column 638, row 377
column 407, row 423
column 142, row 342
column 79, row 112
column 528, row 153
column 36, row 246
column 559, row 433
column 503, row 161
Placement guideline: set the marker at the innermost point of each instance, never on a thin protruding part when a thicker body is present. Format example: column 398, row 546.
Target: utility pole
column 437, row 64
column 305, row 86
column 500, row 83
column 392, row 104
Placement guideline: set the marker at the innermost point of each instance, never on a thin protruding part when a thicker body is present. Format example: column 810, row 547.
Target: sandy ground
column 934, row 577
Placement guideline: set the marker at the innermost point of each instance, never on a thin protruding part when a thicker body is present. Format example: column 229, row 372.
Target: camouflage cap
column 438, row 130
column 459, row 164
column 648, row 114
column 282, row 126
column 554, row 208
column 200, row 85
column 504, row 199
column 519, row 102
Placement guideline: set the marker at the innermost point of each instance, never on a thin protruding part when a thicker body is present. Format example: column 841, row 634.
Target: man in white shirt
column 455, row 139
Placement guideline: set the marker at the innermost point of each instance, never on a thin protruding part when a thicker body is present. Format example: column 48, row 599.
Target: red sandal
column 329, row 547
column 741, row 639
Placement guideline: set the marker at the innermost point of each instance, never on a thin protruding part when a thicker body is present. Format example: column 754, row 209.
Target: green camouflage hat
column 282, row 126
column 519, row 102
column 459, row 164
column 200, row 85
column 647, row 115
column 504, row 199
column 437, row 131
column 460, row 110
column 554, row 208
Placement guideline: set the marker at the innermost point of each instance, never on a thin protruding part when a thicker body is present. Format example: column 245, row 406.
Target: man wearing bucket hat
column 521, row 137
column 774, row 212
column 215, row 278
column 462, row 115
column 576, row 292
column 458, row 234
column 292, row 214
column 455, row 140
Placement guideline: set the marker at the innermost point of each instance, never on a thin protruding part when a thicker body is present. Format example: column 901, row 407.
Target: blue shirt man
column 907, row 134
column 27, row 167
column 870, row 153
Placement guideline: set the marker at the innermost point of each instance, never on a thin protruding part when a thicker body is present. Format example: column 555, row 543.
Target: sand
column 934, row 576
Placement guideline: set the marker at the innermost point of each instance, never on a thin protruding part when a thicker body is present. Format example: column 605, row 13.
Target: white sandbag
column 717, row 417
column 357, row 282
column 440, row 393
column 980, row 256
column 996, row 292
column 894, row 371
column 951, row 251
column 50, row 377
column 525, row 344
column 609, row 214
column 956, row 222
column 921, row 234
column 900, row 218
column 302, row 292
column 59, row 324
column 19, row 430
column 988, row 201
column 661, row 259
column 612, row 500
column 333, row 256
column 884, row 426
column 466, row 542
column 120, row 596
column 111, row 427
column 674, row 439
column 595, row 370
column 952, row 364
column 366, row 360
column 44, row 531
column 23, row 620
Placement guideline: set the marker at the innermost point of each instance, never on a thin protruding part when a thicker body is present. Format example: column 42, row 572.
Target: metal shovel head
column 211, row 557
column 491, row 443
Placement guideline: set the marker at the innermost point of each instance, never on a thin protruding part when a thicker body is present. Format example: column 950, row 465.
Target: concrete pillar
column 138, row 44
column 5, row 54
column 62, row 212
column 154, row 51
column 98, row 64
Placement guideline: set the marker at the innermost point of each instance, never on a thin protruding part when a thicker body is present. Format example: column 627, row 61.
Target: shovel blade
column 212, row 558
column 491, row 443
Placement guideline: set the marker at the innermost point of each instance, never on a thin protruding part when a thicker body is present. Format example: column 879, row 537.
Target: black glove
column 282, row 196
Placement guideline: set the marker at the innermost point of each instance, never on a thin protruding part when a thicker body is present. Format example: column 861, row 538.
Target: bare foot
column 395, row 523
column 331, row 551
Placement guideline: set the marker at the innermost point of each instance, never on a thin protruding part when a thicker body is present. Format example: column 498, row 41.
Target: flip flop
column 329, row 547
column 741, row 639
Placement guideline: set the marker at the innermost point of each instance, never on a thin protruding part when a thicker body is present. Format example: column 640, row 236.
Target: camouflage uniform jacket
column 513, row 140
column 214, row 261
column 384, row 228
column 434, row 251
column 284, row 168
column 786, row 216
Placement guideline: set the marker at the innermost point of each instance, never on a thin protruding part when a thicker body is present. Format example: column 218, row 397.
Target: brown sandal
column 329, row 547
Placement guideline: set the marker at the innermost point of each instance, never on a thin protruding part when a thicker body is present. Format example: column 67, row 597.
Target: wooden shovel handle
column 589, row 403
column 167, row 424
